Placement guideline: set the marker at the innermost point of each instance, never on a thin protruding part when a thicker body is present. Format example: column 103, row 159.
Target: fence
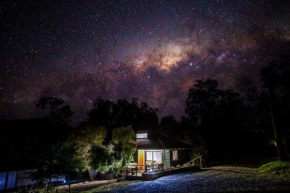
column 135, row 169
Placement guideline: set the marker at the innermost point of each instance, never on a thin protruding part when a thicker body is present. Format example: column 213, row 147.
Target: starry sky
column 153, row 50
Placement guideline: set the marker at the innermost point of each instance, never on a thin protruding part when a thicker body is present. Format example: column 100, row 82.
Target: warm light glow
column 141, row 135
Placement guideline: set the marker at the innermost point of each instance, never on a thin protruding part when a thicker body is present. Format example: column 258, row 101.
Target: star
column 122, row 49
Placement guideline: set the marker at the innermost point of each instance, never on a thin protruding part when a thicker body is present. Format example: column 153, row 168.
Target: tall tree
column 272, row 77
column 86, row 136
column 101, row 158
column 55, row 109
column 61, row 159
column 123, row 113
column 213, row 113
column 248, row 90
column 168, row 126
column 147, row 117
column 124, row 141
column 101, row 114
column 255, row 113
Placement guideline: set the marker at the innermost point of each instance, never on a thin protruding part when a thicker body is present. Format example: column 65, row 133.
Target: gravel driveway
column 214, row 179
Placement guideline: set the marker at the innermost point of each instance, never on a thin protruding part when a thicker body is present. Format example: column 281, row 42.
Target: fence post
column 200, row 162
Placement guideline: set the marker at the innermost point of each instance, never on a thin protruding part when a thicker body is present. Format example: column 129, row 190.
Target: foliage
column 168, row 126
column 206, row 103
column 101, row 113
column 85, row 136
column 254, row 114
column 55, row 110
column 101, row 158
column 146, row 117
column 197, row 150
column 276, row 168
column 214, row 114
column 123, row 113
column 275, row 78
column 67, row 161
column 60, row 159
column 124, row 141
column 248, row 91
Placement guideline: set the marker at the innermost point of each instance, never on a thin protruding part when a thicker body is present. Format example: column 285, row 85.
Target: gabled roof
column 173, row 144
column 161, row 142
column 149, row 144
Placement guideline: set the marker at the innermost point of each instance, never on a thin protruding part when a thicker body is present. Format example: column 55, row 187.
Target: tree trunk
column 90, row 174
column 279, row 143
column 69, row 190
column 51, row 185
column 48, row 184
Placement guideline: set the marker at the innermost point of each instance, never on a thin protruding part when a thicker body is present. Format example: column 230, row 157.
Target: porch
column 136, row 170
column 151, row 172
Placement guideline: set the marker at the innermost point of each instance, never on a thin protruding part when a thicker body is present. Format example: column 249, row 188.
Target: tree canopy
column 125, row 143
column 85, row 136
column 55, row 109
column 123, row 113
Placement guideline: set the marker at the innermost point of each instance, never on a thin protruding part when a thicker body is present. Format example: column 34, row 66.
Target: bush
column 101, row 158
column 276, row 168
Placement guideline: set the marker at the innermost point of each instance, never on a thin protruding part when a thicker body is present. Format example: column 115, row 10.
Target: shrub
column 276, row 168
column 101, row 158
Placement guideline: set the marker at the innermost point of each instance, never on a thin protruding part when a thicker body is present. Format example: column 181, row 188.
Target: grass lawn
column 276, row 168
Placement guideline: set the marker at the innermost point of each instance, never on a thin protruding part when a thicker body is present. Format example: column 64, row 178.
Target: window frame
column 152, row 154
column 176, row 155
column 142, row 134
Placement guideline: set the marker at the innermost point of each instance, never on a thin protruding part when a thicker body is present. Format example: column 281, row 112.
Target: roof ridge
column 161, row 142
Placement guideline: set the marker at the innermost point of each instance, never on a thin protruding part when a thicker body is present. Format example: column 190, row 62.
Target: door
column 141, row 159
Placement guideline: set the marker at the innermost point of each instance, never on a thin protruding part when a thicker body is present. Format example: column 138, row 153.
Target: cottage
column 154, row 149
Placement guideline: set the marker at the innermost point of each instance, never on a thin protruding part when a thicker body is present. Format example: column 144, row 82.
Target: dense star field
column 151, row 50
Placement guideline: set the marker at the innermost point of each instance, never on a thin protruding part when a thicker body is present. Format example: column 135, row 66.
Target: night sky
column 152, row 50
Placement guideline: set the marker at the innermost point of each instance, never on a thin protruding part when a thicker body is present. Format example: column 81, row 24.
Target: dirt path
column 214, row 179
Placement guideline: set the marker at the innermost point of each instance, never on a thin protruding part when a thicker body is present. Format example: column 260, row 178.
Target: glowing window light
column 141, row 135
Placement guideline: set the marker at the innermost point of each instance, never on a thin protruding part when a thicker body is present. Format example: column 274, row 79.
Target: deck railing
column 134, row 169
column 192, row 162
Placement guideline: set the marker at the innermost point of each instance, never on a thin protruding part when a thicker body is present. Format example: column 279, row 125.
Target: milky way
column 152, row 50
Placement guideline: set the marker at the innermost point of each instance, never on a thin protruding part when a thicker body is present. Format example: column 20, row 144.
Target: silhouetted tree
column 123, row 113
column 101, row 114
column 249, row 91
column 168, row 126
column 273, row 77
column 255, row 113
column 55, row 110
column 61, row 159
column 147, row 117
column 213, row 113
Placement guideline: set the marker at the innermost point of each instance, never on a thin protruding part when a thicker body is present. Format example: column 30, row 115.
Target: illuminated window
column 141, row 135
column 174, row 155
column 153, row 157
